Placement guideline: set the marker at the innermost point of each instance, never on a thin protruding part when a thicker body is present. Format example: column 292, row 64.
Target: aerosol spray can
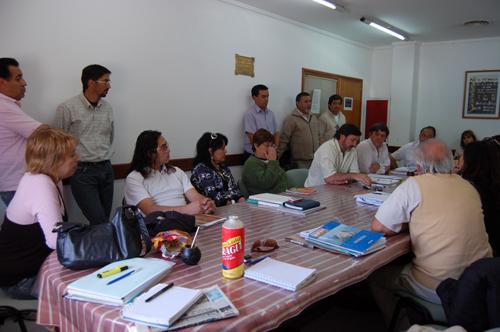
column 233, row 248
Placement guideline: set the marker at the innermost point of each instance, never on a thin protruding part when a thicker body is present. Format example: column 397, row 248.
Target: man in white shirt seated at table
column 443, row 214
column 155, row 185
column 373, row 155
column 335, row 161
column 405, row 155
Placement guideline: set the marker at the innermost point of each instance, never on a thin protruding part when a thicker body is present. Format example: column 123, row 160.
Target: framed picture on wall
column 481, row 94
column 348, row 101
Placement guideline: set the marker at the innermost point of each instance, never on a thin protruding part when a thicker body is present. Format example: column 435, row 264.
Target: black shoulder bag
column 82, row 246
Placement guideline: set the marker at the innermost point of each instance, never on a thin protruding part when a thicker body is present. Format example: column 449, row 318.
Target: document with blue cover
column 337, row 237
column 119, row 288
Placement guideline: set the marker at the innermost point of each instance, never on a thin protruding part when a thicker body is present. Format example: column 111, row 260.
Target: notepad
column 285, row 275
column 146, row 272
column 165, row 309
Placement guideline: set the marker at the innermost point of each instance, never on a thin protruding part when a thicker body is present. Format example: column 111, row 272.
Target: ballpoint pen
column 113, row 271
column 120, row 277
column 158, row 293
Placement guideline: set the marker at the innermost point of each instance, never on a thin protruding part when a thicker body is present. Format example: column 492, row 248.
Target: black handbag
column 82, row 246
column 165, row 221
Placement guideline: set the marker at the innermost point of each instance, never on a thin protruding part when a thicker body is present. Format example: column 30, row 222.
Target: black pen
column 158, row 293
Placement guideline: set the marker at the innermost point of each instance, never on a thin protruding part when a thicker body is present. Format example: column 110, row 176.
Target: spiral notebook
column 281, row 274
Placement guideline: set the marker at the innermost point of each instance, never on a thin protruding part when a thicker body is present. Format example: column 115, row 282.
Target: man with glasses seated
column 155, row 185
column 89, row 118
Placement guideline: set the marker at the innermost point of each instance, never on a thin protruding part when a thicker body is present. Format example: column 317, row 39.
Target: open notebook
column 163, row 310
column 281, row 274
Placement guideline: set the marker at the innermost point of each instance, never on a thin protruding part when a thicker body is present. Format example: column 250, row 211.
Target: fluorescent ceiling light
column 380, row 27
column 326, row 3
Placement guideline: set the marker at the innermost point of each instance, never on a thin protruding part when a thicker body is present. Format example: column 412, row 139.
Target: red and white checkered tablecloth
column 261, row 306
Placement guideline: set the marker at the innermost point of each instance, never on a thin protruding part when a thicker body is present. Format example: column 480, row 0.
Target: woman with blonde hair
column 26, row 238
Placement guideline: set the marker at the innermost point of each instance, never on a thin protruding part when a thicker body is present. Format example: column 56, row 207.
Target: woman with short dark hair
column 210, row 176
column 262, row 172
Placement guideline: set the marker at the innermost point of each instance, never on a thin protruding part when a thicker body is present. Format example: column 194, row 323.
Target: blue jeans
column 7, row 196
column 92, row 186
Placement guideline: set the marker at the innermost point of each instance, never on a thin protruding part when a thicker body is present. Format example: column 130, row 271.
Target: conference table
column 261, row 306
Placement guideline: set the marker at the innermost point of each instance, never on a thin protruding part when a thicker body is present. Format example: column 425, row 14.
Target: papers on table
column 287, row 204
column 288, row 276
column 214, row 305
column 141, row 274
column 403, row 170
column 385, row 180
column 373, row 198
column 271, row 199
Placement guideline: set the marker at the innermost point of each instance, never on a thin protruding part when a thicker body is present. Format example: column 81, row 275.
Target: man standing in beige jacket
column 300, row 133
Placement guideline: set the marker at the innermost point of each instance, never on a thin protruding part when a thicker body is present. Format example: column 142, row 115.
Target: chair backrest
column 243, row 188
column 297, row 177
column 473, row 301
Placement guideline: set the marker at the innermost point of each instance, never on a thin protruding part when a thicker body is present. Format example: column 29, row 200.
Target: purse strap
column 146, row 239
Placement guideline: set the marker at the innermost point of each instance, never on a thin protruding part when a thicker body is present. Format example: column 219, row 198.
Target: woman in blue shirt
column 210, row 176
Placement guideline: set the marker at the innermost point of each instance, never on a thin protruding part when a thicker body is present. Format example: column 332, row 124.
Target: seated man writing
column 336, row 161
column 154, row 185
column 443, row 214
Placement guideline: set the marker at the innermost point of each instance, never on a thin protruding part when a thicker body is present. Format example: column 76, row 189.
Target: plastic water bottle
column 233, row 248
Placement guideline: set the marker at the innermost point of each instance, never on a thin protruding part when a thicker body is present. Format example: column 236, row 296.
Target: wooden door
column 350, row 87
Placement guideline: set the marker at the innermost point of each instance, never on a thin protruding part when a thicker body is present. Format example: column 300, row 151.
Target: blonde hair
column 46, row 149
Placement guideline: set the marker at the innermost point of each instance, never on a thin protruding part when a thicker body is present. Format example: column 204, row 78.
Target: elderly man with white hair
column 443, row 214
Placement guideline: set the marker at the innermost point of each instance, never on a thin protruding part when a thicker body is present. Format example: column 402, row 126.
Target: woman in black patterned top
column 210, row 176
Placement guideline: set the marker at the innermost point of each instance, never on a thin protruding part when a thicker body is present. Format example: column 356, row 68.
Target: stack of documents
column 161, row 309
column 385, row 180
column 337, row 237
column 374, row 198
column 121, row 287
column 282, row 203
column 270, row 199
column 403, row 170
column 281, row 274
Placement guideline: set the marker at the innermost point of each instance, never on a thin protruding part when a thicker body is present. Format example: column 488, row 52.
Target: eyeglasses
column 264, row 246
column 108, row 82
column 164, row 147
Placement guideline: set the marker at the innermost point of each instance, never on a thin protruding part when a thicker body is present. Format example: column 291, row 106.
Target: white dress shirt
column 369, row 154
column 328, row 160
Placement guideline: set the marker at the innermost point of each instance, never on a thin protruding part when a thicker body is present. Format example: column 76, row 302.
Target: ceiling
column 422, row 20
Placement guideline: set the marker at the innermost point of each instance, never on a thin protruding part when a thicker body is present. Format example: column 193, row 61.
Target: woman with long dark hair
column 210, row 176
column 482, row 168
column 155, row 185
